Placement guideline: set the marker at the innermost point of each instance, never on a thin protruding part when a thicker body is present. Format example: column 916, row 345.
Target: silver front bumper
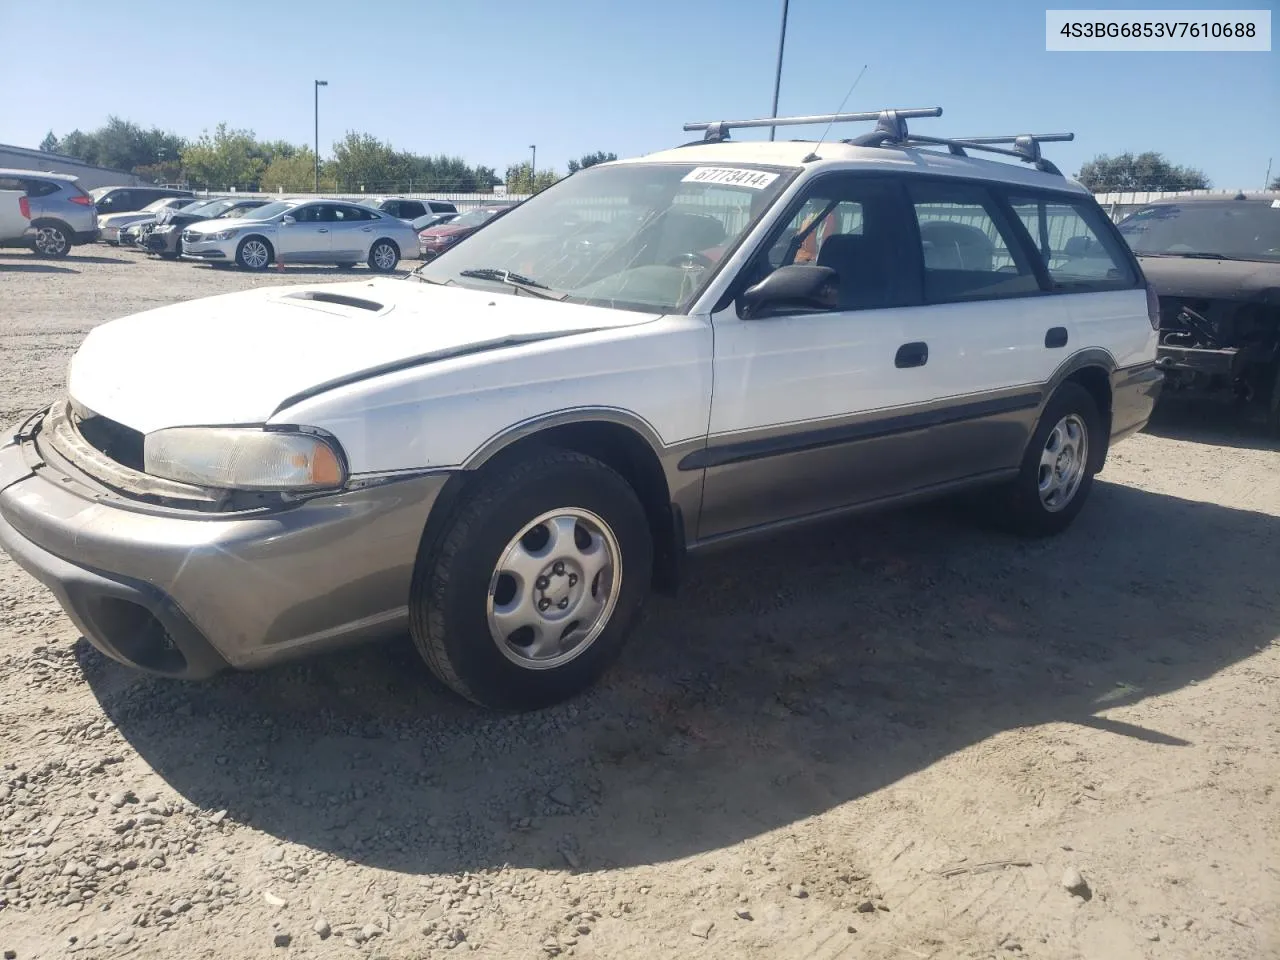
column 220, row 589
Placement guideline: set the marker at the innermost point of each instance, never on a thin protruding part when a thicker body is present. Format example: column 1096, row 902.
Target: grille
column 122, row 444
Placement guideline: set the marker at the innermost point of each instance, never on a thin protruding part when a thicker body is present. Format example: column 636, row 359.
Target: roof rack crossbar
column 1025, row 147
column 719, row 129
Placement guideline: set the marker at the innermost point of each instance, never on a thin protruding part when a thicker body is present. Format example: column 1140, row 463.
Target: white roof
column 837, row 155
column 15, row 172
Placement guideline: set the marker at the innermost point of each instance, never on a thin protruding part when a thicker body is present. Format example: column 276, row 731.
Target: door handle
column 366, row 229
column 912, row 355
column 323, row 230
column 1055, row 337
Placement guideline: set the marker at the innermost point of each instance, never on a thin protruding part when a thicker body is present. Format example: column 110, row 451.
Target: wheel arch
column 271, row 247
column 1093, row 370
column 622, row 440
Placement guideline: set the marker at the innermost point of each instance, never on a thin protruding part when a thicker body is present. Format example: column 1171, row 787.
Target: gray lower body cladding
column 183, row 594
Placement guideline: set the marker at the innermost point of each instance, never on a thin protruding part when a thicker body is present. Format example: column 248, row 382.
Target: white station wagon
column 504, row 452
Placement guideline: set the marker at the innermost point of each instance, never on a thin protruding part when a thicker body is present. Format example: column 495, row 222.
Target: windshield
column 200, row 205
column 636, row 236
column 1234, row 229
column 270, row 210
column 155, row 206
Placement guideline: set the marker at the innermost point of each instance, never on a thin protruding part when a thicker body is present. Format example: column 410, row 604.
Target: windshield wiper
column 1188, row 254
column 526, row 284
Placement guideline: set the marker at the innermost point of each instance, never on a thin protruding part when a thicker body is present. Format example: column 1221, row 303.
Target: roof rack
column 891, row 131
column 718, row 130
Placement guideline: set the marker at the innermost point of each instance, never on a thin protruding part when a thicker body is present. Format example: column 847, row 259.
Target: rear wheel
column 52, row 240
column 1059, row 465
column 535, row 583
column 383, row 256
column 254, row 253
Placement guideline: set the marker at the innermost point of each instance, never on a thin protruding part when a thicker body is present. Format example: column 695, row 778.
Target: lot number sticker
column 730, row 177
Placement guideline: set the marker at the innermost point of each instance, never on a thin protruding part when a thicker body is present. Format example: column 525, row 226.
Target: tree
column 590, row 160
column 1274, row 185
column 1148, row 171
column 296, row 173
column 50, row 143
column 80, row 145
column 224, row 160
column 518, row 180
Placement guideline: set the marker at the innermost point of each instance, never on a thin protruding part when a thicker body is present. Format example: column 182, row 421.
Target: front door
column 807, row 412
column 308, row 238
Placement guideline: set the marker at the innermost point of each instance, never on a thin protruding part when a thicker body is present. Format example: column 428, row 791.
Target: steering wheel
column 691, row 259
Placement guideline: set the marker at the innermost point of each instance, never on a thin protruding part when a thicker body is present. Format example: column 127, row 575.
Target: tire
column 1058, row 468
column 254, row 253
column 504, row 523
column 383, row 256
column 174, row 254
column 1273, row 405
column 346, row 265
column 52, row 240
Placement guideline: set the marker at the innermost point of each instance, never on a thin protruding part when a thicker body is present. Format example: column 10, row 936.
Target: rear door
column 352, row 232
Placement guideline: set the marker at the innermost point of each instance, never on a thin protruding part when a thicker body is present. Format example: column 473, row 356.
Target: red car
column 433, row 241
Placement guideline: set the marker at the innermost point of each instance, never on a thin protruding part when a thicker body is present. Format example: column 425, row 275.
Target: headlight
column 237, row 458
column 220, row 235
column 164, row 228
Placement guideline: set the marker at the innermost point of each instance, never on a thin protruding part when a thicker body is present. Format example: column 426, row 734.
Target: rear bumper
column 1134, row 392
column 185, row 594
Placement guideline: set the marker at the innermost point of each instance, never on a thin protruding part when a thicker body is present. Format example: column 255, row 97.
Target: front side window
column 1208, row 229
column 970, row 251
column 1077, row 249
column 270, row 210
column 639, row 236
column 853, row 225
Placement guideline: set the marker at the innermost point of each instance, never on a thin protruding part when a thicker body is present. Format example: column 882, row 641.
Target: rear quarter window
column 1077, row 245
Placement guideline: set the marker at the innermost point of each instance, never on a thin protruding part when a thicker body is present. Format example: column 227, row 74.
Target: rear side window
column 441, row 206
column 410, row 209
column 1079, row 251
column 970, row 250
column 39, row 188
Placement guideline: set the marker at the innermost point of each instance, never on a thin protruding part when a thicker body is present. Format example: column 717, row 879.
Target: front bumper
column 185, row 594
column 210, row 249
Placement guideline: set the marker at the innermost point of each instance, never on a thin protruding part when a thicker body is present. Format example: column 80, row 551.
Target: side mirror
column 286, row 220
column 797, row 287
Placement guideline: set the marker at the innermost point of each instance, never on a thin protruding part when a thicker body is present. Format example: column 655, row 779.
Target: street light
column 319, row 84
column 777, row 77
column 533, row 167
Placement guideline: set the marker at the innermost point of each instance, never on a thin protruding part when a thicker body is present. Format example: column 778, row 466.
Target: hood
column 444, row 230
column 1192, row 277
column 238, row 357
column 122, row 219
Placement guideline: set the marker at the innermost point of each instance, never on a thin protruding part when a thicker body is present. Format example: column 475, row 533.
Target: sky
column 485, row 80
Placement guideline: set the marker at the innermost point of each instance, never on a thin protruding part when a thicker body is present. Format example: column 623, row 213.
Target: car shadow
column 1213, row 422
column 784, row 681
column 33, row 267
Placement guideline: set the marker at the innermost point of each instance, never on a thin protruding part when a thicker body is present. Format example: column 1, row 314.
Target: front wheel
column 535, row 583
column 383, row 256
column 52, row 240
column 254, row 253
column 1059, row 465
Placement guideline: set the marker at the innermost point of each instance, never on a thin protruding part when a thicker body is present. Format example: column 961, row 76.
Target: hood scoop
column 337, row 300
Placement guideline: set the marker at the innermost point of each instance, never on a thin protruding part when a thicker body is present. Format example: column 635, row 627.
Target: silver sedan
column 304, row 231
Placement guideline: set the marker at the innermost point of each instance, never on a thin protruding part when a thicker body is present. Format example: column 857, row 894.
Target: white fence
column 462, row 200
column 1120, row 205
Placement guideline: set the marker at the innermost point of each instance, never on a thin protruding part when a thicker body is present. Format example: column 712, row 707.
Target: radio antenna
column 813, row 155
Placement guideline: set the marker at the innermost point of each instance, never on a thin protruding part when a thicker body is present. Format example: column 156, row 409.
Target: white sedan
column 304, row 231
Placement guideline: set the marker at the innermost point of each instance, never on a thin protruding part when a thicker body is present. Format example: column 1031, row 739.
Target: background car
column 407, row 209
column 165, row 236
column 111, row 224
column 304, row 231
column 127, row 199
column 433, row 241
column 1214, row 263
column 62, row 213
column 433, row 220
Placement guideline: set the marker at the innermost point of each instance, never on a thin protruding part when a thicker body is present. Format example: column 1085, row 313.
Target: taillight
column 82, row 199
column 24, row 207
column 1153, row 307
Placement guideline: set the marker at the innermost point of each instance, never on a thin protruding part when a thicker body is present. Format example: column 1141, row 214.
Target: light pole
column 319, row 84
column 533, row 167
column 777, row 76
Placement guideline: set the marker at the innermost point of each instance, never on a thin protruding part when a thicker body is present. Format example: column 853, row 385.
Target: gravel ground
column 905, row 737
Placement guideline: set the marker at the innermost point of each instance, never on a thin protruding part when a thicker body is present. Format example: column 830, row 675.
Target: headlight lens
column 221, row 235
column 164, row 228
column 236, row 458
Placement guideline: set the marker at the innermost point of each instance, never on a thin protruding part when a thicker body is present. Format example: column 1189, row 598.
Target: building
column 24, row 158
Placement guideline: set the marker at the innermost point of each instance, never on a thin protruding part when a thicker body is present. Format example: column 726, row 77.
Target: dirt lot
column 883, row 739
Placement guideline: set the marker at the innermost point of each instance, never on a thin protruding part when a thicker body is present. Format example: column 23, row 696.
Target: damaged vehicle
column 1215, row 265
